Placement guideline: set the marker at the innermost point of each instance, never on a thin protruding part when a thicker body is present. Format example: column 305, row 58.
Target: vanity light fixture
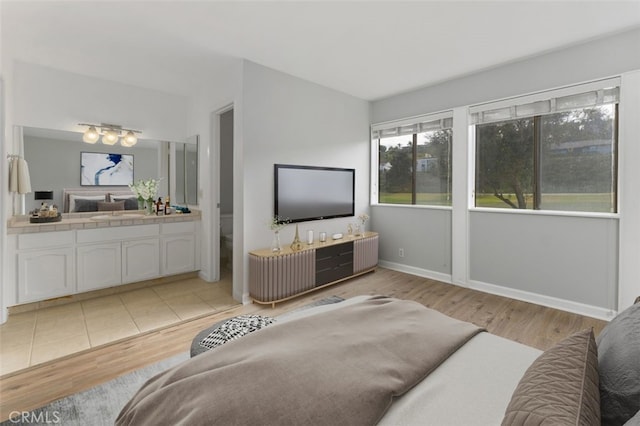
column 111, row 134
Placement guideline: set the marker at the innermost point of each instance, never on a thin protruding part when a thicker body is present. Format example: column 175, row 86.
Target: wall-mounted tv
column 305, row 193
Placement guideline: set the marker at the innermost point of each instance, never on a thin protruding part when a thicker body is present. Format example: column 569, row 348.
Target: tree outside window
column 415, row 168
column 561, row 161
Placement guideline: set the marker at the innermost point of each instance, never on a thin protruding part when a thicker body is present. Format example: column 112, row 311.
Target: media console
column 275, row 277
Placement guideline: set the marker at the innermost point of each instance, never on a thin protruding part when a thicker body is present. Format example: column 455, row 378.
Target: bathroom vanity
column 86, row 252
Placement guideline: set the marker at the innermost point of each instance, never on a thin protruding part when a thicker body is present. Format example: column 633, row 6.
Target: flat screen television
column 304, row 193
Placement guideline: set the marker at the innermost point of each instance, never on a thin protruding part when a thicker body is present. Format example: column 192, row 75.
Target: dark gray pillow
column 619, row 367
column 130, row 203
column 83, row 205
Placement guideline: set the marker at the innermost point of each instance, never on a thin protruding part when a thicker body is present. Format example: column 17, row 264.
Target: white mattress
column 472, row 387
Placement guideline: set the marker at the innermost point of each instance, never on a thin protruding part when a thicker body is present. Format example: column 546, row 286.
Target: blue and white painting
column 99, row 169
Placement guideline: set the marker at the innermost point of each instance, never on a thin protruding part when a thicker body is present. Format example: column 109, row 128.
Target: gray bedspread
column 339, row 367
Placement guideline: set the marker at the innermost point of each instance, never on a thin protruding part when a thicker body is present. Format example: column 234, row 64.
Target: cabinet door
column 178, row 254
column 140, row 260
column 43, row 274
column 99, row 266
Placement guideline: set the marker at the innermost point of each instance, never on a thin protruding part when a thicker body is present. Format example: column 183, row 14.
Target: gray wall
column 55, row 164
column 568, row 258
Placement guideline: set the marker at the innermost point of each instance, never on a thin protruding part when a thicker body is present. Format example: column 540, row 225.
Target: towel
column 13, row 175
column 20, row 181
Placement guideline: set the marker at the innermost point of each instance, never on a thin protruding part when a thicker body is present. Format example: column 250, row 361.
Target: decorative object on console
column 276, row 224
column 296, row 244
column 146, row 191
column 363, row 220
column 100, row 169
column 111, row 133
column 310, row 236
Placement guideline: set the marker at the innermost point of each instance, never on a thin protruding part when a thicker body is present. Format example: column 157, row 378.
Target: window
column 561, row 154
column 414, row 161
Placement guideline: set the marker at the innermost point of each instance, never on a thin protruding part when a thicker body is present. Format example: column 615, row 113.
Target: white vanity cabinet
column 66, row 262
column 178, row 248
column 46, row 266
column 140, row 260
column 99, row 265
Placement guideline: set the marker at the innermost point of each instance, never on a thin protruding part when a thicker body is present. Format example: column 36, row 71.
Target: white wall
column 292, row 121
column 222, row 90
column 544, row 270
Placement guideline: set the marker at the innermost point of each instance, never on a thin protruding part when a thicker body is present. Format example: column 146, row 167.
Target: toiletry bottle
column 159, row 207
column 167, row 206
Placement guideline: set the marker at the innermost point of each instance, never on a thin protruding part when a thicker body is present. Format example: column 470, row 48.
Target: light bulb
column 91, row 135
column 129, row 139
column 110, row 137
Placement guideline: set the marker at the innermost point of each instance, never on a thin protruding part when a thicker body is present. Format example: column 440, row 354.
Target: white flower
column 145, row 189
column 363, row 218
column 277, row 223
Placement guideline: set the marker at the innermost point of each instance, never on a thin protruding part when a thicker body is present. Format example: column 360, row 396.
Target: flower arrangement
column 145, row 190
column 277, row 223
column 363, row 218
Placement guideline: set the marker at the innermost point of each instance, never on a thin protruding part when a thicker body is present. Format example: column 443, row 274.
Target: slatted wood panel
column 278, row 277
column 365, row 254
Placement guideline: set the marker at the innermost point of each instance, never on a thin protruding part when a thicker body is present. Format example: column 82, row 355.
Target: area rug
column 97, row 406
column 101, row 405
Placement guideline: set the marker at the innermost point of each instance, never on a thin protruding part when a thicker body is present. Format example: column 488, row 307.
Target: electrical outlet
column 400, row 252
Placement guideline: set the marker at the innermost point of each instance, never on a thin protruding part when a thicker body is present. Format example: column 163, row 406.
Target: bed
column 99, row 199
column 377, row 360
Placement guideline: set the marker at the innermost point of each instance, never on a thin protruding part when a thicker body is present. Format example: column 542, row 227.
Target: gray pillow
column 619, row 367
column 104, row 206
column 560, row 387
column 83, row 205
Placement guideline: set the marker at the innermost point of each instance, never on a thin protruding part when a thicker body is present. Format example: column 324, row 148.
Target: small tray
column 37, row 219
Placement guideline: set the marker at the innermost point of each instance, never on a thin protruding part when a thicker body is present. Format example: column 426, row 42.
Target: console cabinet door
column 99, row 266
column 140, row 260
column 43, row 274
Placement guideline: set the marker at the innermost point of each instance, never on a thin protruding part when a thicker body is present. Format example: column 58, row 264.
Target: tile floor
column 31, row 338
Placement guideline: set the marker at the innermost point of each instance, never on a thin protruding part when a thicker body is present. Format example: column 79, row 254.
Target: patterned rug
column 101, row 405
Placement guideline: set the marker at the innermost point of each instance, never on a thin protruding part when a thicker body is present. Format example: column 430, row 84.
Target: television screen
column 100, row 169
column 308, row 193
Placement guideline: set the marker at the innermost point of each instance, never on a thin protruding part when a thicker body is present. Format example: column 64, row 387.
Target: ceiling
column 369, row 49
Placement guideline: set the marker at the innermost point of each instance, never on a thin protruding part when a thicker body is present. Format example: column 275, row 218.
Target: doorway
column 226, row 193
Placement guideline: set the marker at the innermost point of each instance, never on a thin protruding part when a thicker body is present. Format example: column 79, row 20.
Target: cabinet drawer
column 40, row 240
column 178, row 228
column 334, row 274
column 335, row 250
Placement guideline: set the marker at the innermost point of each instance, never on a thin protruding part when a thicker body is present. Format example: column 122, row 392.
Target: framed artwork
column 100, row 169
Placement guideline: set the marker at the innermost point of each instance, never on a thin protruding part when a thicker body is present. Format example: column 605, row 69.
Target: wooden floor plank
column 526, row 323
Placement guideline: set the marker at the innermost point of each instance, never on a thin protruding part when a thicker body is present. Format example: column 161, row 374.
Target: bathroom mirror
column 54, row 158
column 186, row 171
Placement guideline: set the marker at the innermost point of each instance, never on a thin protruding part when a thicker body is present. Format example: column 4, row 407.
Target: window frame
column 475, row 111
column 375, row 164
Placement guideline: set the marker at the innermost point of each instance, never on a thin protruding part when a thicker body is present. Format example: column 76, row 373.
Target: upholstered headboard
column 69, row 195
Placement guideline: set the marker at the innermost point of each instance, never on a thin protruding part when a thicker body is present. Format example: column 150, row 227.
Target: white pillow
column 116, row 197
column 73, row 198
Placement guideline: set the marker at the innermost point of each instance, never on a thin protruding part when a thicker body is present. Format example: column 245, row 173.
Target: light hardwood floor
column 523, row 322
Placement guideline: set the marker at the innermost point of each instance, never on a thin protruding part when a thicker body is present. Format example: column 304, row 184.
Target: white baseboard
column 425, row 273
column 549, row 301
column 525, row 296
